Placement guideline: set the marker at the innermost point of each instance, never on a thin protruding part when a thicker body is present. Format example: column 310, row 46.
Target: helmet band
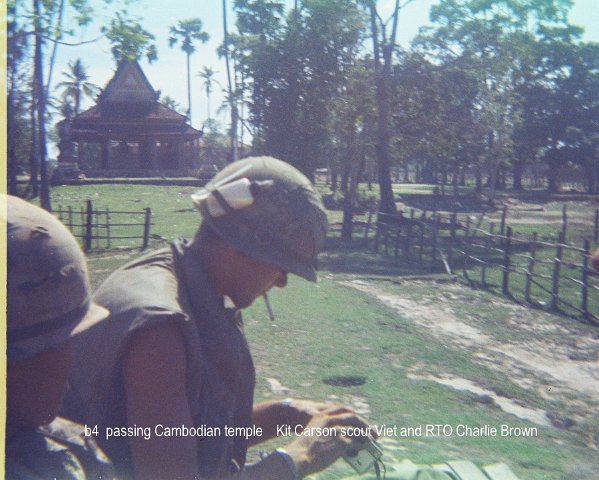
column 49, row 326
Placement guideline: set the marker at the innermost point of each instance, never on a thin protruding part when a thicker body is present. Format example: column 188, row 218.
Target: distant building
column 129, row 132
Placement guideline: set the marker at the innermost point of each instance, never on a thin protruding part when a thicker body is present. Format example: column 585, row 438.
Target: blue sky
column 168, row 74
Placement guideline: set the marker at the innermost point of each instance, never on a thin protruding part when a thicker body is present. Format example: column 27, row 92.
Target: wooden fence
column 106, row 228
column 550, row 274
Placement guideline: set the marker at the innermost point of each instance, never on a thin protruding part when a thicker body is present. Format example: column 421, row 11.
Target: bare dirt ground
column 556, row 358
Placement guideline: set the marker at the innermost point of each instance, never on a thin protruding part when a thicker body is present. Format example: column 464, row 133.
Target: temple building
column 129, row 132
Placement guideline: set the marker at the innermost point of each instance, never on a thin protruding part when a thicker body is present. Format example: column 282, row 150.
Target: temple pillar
column 106, row 159
column 152, row 154
column 177, row 162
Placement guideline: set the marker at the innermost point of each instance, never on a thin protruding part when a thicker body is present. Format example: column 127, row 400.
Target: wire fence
column 106, row 229
column 554, row 275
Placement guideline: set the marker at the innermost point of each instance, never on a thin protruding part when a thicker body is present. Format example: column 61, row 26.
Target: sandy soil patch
column 545, row 359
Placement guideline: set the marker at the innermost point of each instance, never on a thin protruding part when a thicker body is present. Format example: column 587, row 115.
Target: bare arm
column 295, row 412
column 154, row 376
column 155, row 385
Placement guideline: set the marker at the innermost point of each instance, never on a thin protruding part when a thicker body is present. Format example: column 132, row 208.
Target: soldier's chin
column 239, row 301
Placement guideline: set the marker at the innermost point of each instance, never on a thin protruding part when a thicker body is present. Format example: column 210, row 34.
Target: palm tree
column 208, row 76
column 171, row 103
column 77, row 84
column 187, row 31
column 231, row 93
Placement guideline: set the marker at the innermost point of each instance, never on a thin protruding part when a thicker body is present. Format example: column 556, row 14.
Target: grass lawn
column 428, row 352
column 331, row 330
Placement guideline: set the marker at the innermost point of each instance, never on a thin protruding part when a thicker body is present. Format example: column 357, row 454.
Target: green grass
column 328, row 329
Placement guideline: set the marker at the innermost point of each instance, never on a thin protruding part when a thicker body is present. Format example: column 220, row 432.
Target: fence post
column 585, row 278
column 565, row 221
column 531, row 267
column 502, row 225
column 435, row 227
column 386, row 238
column 398, row 232
column 596, row 233
column 422, row 227
column 452, row 234
column 70, row 217
column 556, row 269
column 409, row 225
column 483, row 270
column 108, row 234
column 82, row 224
column 505, row 284
column 377, row 234
column 147, row 228
column 88, row 225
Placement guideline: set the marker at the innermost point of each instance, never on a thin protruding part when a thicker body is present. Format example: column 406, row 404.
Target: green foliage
column 18, row 97
column 524, row 62
column 171, row 103
column 207, row 75
column 296, row 67
column 77, row 84
column 215, row 145
column 129, row 40
column 187, row 31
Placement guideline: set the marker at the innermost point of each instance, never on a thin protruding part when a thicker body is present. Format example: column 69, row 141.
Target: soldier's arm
column 154, row 376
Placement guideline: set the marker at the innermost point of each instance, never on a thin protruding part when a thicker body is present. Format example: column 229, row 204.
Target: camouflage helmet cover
column 285, row 225
column 48, row 291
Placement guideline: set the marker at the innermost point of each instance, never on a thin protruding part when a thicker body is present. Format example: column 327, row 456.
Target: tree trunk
column 232, row 102
column 382, row 74
column 334, row 176
column 38, row 69
column 34, row 166
column 349, row 199
column 517, row 172
column 11, row 173
column 552, row 172
column 189, row 88
column 456, row 179
column 57, row 30
column 345, row 174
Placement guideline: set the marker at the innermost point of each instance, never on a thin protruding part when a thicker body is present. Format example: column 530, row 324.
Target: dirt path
column 559, row 362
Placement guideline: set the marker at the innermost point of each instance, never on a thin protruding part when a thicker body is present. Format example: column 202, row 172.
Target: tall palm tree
column 207, row 74
column 231, row 93
column 77, row 84
column 187, row 31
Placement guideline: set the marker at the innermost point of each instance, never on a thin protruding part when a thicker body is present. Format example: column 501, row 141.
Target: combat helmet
column 268, row 210
column 48, row 291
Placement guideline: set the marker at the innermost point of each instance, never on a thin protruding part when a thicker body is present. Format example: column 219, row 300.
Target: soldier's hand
column 323, row 440
column 300, row 412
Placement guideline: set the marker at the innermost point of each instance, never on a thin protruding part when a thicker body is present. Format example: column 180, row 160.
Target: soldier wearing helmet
column 48, row 305
column 173, row 352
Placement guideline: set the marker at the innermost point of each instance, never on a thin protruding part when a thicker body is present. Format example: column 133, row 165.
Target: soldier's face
column 36, row 387
column 253, row 279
